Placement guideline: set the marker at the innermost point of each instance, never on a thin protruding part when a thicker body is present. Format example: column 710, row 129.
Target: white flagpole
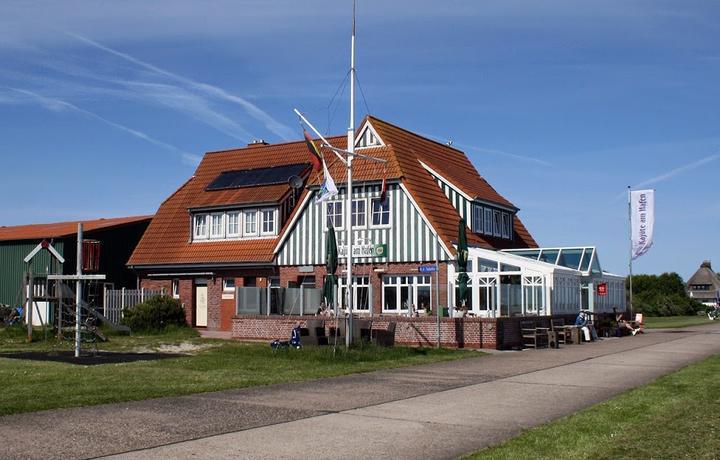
column 631, row 249
column 348, row 219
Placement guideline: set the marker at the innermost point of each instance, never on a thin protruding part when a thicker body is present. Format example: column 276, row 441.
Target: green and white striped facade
column 409, row 237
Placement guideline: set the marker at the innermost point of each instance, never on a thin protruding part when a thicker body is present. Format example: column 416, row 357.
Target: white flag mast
column 349, row 155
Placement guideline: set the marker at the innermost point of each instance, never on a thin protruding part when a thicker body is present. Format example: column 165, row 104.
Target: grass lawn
column 658, row 322
column 677, row 416
column 38, row 385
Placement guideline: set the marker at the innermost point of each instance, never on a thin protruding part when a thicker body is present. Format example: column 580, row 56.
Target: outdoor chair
column 639, row 322
column 533, row 336
column 384, row 337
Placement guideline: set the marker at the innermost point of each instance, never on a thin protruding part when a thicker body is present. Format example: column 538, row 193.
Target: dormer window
column 235, row 224
column 368, row 138
column 491, row 222
column 200, row 227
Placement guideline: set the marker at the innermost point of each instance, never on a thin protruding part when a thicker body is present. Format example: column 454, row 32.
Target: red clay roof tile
column 60, row 229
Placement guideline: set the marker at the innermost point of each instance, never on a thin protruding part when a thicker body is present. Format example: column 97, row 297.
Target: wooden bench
column 533, row 336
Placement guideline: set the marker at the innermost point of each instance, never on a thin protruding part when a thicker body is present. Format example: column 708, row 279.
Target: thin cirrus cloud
column 679, row 170
column 279, row 129
column 515, row 156
column 58, row 105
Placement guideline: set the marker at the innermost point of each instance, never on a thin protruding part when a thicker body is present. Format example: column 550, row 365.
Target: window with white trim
column 488, row 221
column 477, row 218
column 250, row 218
column 217, row 228
column 361, row 292
column 368, row 139
column 228, row 284
column 380, row 212
column 400, row 292
column 268, row 221
column 506, row 219
column 175, row 288
column 359, row 213
column 334, row 214
column 200, row 226
column 497, row 224
column 233, row 224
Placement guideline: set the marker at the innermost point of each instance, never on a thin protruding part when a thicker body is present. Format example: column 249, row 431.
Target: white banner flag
column 327, row 189
column 642, row 219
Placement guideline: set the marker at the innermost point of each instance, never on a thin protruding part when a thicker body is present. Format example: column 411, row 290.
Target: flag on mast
column 383, row 191
column 328, row 190
column 642, row 221
column 315, row 157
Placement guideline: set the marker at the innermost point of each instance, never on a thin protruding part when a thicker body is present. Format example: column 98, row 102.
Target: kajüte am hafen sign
column 364, row 249
column 642, row 220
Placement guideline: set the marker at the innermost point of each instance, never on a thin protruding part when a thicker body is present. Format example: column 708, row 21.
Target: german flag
column 315, row 158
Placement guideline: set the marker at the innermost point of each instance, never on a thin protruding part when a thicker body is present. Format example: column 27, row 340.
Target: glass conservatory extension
column 584, row 259
column 545, row 281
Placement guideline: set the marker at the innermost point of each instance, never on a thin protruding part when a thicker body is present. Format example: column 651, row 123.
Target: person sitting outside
column 583, row 322
column 295, row 336
column 625, row 326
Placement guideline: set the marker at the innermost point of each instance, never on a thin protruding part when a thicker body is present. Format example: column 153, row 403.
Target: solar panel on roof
column 258, row 176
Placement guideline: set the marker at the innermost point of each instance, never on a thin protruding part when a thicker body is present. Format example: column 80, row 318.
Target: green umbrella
column 331, row 262
column 462, row 260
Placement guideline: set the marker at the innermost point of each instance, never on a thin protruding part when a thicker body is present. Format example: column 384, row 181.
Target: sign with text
column 642, row 221
column 602, row 289
column 427, row 268
column 364, row 250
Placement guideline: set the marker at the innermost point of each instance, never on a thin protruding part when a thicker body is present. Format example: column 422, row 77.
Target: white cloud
column 58, row 105
column 284, row 132
column 677, row 171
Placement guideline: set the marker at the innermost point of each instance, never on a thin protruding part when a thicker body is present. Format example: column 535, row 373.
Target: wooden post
column 29, row 306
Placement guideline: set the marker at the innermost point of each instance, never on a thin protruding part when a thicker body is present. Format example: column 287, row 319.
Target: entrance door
column 201, row 305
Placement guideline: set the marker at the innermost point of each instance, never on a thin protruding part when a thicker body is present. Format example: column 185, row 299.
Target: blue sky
column 105, row 107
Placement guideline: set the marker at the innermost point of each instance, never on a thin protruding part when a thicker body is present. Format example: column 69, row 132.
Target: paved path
column 433, row 411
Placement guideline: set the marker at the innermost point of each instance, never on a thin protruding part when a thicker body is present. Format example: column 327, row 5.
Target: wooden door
column 201, row 307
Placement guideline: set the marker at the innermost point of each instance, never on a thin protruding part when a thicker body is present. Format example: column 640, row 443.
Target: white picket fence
column 117, row 300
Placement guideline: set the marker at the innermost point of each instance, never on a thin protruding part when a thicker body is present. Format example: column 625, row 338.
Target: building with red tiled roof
column 117, row 238
column 237, row 222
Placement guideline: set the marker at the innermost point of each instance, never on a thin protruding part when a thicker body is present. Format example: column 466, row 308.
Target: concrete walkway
column 433, row 411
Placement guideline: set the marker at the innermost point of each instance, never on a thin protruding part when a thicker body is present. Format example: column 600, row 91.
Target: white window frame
column 363, row 214
column 506, row 219
column 221, row 234
column 497, row 229
column 227, row 288
column 487, row 221
column 417, row 281
column 237, row 214
column 342, row 214
column 206, row 226
column 359, row 282
column 273, row 213
column 247, row 213
column 381, row 213
column 175, row 288
column 477, row 218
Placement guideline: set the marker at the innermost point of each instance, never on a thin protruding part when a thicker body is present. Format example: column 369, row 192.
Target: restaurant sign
column 364, row 249
column 602, row 289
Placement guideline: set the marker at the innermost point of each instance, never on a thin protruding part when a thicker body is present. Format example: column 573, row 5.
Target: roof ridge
column 337, row 136
column 456, row 150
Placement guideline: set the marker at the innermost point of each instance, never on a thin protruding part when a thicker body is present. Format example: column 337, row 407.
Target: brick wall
column 454, row 332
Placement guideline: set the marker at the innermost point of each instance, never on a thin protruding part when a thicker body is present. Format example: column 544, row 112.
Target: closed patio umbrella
column 331, row 262
column 462, row 260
